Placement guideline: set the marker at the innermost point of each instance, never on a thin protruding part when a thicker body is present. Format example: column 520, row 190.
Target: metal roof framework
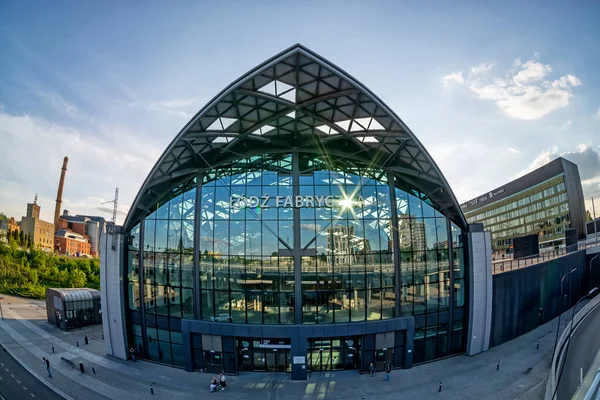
column 297, row 101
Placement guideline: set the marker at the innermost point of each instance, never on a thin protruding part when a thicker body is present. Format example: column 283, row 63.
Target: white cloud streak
column 526, row 92
column 453, row 79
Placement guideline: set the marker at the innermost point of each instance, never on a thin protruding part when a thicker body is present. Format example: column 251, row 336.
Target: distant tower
column 61, row 184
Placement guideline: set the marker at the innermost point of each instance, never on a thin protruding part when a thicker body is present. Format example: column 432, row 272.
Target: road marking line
column 1, row 378
column 32, row 395
column 2, row 364
column 6, row 369
column 24, row 388
column 18, row 381
column 12, row 376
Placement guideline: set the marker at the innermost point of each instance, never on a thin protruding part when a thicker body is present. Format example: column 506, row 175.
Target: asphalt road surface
column 18, row 384
column 582, row 351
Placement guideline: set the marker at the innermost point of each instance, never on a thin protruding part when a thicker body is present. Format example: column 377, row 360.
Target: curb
column 35, row 374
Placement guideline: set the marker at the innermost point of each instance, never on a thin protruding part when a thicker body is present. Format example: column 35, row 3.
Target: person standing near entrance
column 388, row 369
column 132, row 352
column 222, row 380
column 372, row 369
column 47, row 362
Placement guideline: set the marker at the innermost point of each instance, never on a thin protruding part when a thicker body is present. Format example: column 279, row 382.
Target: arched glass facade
column 295, row 216
column 225, row 247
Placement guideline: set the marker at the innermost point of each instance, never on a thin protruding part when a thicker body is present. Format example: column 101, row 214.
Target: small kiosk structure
column 73, row 308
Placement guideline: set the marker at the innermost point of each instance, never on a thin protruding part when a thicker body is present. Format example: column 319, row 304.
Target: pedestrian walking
column 388, row 369
column 372, row 369
column 47, row 363
column 132, row 352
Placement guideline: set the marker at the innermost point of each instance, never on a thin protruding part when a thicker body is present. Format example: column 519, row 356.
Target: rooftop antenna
column 113, row 229
column 35, row 199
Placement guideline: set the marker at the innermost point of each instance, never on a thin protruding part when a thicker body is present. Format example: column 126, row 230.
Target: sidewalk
column 26, row 333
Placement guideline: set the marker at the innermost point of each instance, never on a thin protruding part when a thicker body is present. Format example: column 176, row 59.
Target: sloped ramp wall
column 526, row 298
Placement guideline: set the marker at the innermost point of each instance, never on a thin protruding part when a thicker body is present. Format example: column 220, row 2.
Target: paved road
column 18, row 384
column 582, row 351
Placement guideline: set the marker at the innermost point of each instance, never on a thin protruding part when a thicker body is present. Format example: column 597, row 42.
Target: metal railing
column 499, row 266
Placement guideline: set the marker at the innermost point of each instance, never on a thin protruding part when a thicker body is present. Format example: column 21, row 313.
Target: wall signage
column 274, row 344
column 267, row 201
column 483, row 198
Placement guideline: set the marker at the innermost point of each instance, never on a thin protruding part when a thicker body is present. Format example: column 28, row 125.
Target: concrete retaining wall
column 526, row 298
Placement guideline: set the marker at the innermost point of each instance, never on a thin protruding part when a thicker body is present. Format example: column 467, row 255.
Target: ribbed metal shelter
column 73, row 308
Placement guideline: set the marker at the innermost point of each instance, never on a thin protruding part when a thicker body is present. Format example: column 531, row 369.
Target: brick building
column 71, row 243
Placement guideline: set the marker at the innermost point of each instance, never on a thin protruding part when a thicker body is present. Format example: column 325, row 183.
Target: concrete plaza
column 27, row 335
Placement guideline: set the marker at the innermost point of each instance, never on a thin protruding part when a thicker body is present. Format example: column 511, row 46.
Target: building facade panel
column 544, row 202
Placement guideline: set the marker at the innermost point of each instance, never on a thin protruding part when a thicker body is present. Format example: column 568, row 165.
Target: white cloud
column 99, row 160
column 542, row 159
column 588, row 164
column 531, row 71
column 598, row 115
column 454, row 78
column 480, row 70
column 566, row 124
column 513, row 151
column 176, row 107
column 525, row 92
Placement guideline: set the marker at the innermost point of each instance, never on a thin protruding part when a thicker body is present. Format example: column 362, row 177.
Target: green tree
column 21, row 239
column 588, row 216
column 3, row 217
column 77, row 279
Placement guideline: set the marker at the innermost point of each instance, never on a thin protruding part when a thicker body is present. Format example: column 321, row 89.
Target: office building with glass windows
column 544, row 202
column 295, row 224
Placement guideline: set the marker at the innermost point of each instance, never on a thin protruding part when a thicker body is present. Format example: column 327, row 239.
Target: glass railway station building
column 295, row 224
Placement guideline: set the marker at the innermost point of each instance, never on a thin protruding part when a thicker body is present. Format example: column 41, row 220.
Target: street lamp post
column 590, row 269
column 560, row 308
column 595, row 223
column 569, row 339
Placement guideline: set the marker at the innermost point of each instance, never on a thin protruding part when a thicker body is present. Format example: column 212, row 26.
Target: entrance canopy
column 297, row 102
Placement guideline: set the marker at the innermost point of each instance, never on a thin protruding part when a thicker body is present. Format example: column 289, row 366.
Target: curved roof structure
column 296, row 101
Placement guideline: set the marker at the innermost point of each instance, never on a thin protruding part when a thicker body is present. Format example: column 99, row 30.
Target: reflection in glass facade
column 354, row 235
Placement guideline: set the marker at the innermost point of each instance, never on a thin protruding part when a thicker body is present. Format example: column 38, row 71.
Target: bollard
column 81, row 367
column 151, row 390
column 78, row 343
column 103, row 336
column 94, row 370
column 86, row 340
column 538, row 346
column 440, row 389
column 53, row 349
column 498, row 366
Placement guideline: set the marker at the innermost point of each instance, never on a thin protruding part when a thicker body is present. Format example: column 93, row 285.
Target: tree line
column 27, row 272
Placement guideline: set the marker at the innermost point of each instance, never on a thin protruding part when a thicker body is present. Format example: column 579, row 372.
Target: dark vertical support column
column 197, row 215
column 299, row 349
column 396, row 245
column 142, row 288
column 187, row 346
column 451, row 298
column 410, row 344
column 297, row 251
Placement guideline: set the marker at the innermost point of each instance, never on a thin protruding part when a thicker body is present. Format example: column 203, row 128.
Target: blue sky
column 492, row 89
